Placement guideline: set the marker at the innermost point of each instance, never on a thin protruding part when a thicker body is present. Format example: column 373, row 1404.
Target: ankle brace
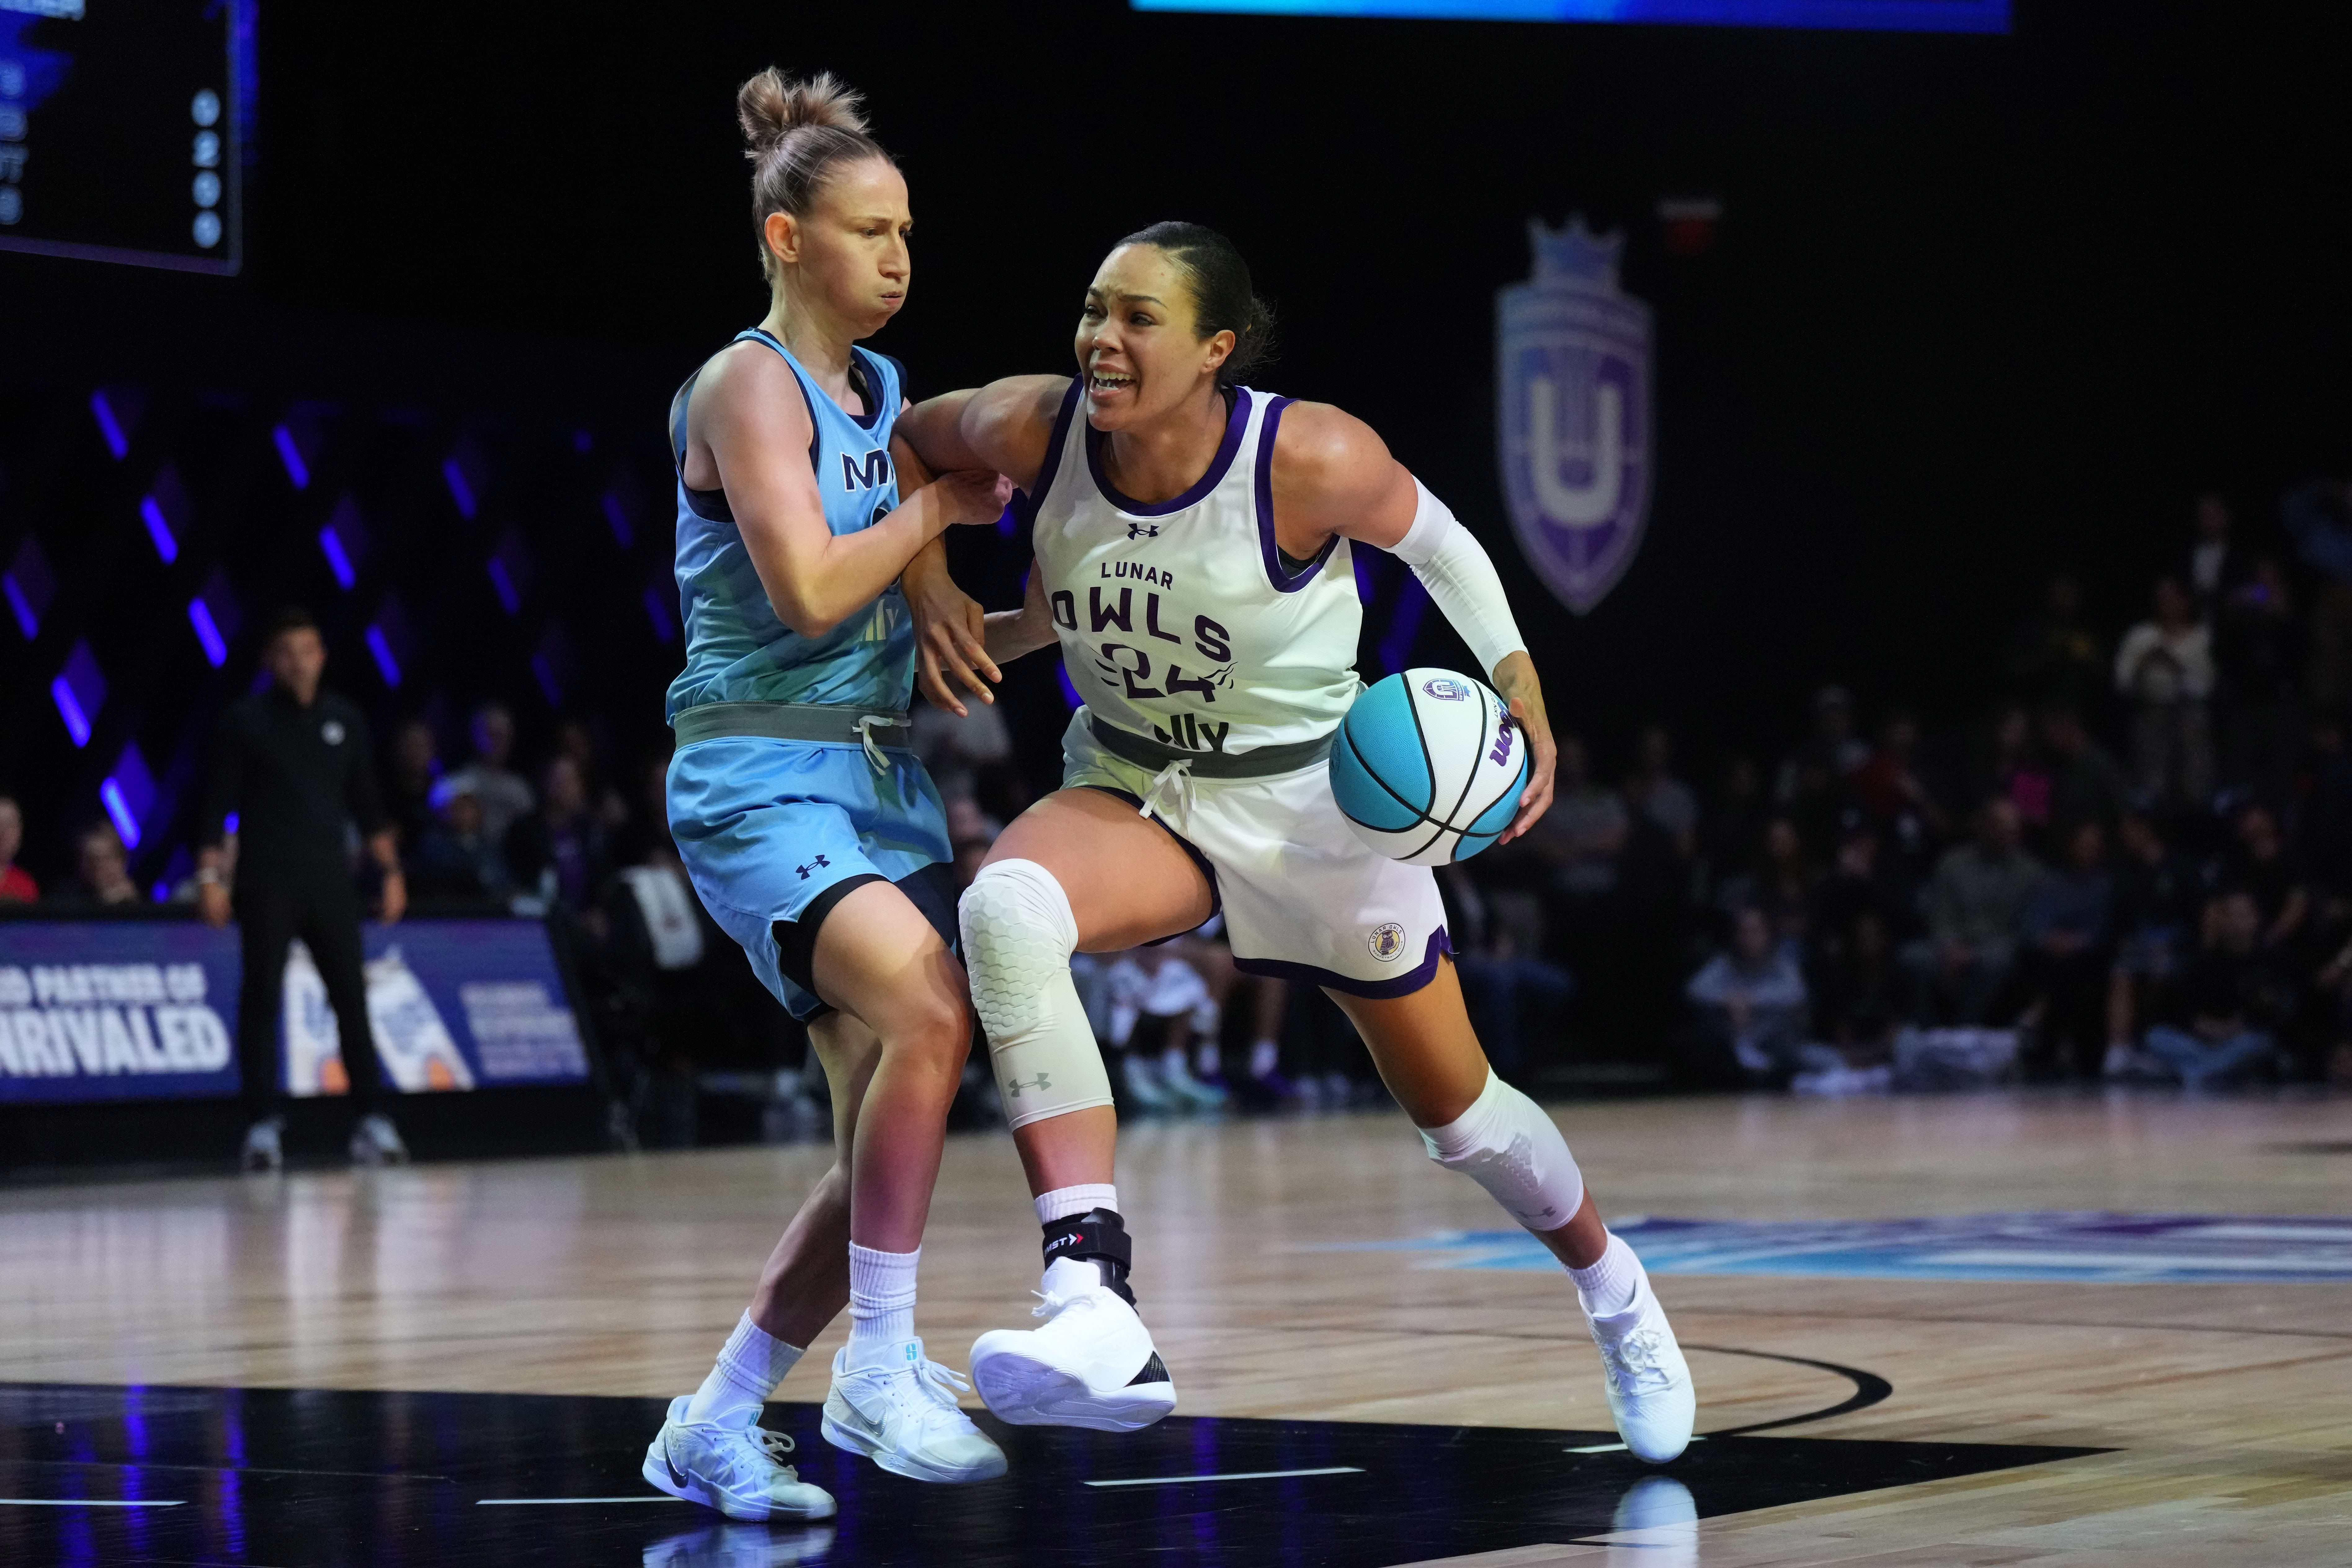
column 1096, row 1236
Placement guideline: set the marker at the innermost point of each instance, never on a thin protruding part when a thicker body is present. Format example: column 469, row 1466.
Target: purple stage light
column 29, row 587
column 460, row 489
column 657, row 611
column 151, row 511
column 200, row 615
column 290, row 453
column 339, row 561
column 385, row 664
column 616, row 517
column 1404, row 628
column 117, row 440
column 1069, row 689
column 503, row 581
column 79, row 691
column 110, row 794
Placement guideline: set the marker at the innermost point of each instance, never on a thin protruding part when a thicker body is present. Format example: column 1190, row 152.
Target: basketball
column 1428, row 767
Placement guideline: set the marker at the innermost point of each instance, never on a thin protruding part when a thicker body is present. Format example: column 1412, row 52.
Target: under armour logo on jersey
column 1016, row 1086
column 872, row 474
column 1143, row 530
column 820, row 860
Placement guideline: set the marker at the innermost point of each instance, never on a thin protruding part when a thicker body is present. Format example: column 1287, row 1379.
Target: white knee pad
column 1018, row 934
column 1508, row 1145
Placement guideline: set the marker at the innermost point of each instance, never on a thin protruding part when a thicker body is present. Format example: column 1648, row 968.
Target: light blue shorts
column 766, row 826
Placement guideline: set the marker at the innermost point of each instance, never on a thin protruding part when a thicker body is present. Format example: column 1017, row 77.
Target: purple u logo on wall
column 1572, row 412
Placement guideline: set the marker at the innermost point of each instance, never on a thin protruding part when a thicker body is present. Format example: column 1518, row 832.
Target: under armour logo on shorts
column 803, row 870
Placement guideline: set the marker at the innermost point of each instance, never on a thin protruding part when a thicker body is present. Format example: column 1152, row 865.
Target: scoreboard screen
column 1866, row 16
column 125, row 129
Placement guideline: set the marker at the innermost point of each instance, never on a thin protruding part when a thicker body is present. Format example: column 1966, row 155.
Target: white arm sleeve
column 1459, row 575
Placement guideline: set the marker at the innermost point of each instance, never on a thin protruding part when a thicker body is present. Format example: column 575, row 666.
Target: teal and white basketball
column 1428, row 766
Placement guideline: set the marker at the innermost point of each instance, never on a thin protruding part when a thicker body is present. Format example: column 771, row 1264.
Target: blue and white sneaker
column 903, row 1416
column 739, row 1470
column 1649, row 1392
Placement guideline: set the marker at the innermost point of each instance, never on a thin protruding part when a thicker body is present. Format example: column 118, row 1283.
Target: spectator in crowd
column 2258, row 660
column 1892, row 789
column 16, row 884
column 1781, row 888
column 1815, row 782
column 2054, row 656
column 2067, row 953
column 1732, row 835
column 2014, row 768
column 1975, row 918
column 2086, row 784
column 558, row 852
column 1751, row 1001
column 957, row 749
column 498, row 790
column 2265, row 866
column 2159, row 895
column 456, row 858
column 2222, row 1011
column 415, row 772
column 1655, row 793
column 1858, row 1001
column 2164, row 668
column 103, row 876
column 1159, row 1005
column 2326, row 806
column 1498, row 943
column 1863, row 882
column 2215, row 564
column 2317, row 518
column 293, row 763
column 1585, row 826
column 578, row 742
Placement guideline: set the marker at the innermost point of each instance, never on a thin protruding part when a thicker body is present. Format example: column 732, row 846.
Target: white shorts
column 1302, row 896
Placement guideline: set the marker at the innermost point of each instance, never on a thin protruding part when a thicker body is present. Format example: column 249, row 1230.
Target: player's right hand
column 950, row 634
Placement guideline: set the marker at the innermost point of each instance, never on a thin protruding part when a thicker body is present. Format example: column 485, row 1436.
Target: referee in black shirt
column 293, row 763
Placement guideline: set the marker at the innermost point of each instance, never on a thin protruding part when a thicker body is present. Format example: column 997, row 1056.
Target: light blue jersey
column 737, row 651
column 774, row 832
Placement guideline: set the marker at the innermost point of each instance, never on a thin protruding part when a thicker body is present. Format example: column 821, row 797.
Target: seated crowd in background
column 2136, row 864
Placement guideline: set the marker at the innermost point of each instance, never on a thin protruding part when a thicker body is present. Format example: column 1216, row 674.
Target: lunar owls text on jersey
column 1178, row 619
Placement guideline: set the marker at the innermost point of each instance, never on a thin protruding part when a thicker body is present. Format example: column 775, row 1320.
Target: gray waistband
column 1262, row 762
column 820, row 722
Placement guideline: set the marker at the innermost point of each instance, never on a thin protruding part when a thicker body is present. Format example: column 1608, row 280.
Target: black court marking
column 312, row 1476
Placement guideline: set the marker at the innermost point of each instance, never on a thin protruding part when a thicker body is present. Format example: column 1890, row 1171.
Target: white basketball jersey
column 1178, row 619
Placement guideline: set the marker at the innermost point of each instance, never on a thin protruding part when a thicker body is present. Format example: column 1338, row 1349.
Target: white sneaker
column 904, row 1417
column 376, row 1141
column 1649, row 1384
column 1093, row 1364
column 265, row 1146
column 739, row 1470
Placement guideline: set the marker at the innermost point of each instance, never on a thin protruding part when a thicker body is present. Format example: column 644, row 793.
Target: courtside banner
column 102, row 1010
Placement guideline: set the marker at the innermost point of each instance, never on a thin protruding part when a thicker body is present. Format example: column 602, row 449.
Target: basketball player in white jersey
column 1195, row 543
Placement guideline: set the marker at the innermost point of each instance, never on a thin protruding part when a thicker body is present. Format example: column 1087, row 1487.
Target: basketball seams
column 1386, row 788
column 1406, row 843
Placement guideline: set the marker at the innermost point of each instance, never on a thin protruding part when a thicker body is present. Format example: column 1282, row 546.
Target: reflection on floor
column 278, row 1476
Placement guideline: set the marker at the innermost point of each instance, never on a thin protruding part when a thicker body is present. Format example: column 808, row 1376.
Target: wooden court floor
column 2228, row 1406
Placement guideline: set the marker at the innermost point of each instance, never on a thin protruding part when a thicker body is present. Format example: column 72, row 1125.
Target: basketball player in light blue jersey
column 1195, row 543
column 810, row 829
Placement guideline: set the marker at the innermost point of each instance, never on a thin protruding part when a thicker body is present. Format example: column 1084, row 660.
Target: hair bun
column 771, row 106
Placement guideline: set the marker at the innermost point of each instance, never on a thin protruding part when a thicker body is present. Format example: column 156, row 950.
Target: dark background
column 1977, row 308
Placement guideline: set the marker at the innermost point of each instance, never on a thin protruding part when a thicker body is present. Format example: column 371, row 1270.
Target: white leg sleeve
column 1508, row 1145
column 1018, row 934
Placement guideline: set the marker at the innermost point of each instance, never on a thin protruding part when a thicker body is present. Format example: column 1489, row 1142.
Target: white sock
column 1612, row 1282
column 1064, row 1202
column 1265, row 1057
column 750, row 1365
column 881, row 1304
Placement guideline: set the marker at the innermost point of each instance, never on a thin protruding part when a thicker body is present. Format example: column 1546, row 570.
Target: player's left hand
column 1516, row 683
column 950, row 634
